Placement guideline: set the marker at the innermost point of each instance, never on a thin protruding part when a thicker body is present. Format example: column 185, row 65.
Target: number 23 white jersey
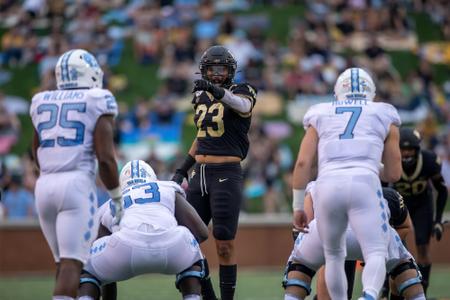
column 351, row 133
column 65, row 121
column 151, row 203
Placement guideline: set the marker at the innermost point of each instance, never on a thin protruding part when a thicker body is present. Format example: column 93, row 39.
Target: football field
column 253, row 284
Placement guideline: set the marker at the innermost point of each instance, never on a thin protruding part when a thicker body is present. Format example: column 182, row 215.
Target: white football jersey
column 351, row 133
column 151, row 204
column 65, row 121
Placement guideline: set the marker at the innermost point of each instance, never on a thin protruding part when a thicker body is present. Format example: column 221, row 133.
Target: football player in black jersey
column 421, row 169
column 222, row 115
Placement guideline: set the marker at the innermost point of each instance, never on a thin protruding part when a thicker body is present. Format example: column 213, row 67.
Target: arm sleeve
column 442, row 193
column 236, row 102
column 239, row 93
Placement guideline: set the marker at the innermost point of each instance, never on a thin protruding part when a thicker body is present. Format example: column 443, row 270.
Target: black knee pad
column 87, row 277
column 402, row 267
column 297, row 282
column 191, row 273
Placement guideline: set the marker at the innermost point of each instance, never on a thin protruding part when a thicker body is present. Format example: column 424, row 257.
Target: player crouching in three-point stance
column 349, row 138
column 153, row 237
column 73, row 125
column 222, row 115
column 307, row 256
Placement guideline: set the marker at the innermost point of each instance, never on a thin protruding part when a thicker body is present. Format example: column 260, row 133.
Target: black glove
column 178, row 177
column 204, row 85
column 438, row 229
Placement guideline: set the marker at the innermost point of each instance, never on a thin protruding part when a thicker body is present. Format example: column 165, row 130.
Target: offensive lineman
column 421, row 169
column 223, row 113
column 149, row 238
column 307, row 255
column 349, row 138
column 73, row 126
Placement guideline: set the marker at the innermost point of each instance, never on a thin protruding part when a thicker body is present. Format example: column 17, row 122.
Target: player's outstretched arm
column 104, row 150
column 441, row 200
column 187, row 216
column 107, row 165
column 182, row 171
column 303, row 173
column 392, row 159
column 35, row 147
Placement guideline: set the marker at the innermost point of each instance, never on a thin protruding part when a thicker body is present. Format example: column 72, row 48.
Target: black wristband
column 187, row 164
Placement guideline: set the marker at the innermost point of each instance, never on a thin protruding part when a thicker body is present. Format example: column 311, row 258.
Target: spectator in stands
column 18, row 202
column 9, row 127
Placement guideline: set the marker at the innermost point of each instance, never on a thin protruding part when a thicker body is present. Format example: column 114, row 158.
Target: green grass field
column 252, row 285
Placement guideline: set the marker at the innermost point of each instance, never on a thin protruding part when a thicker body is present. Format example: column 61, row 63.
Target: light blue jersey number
column 356, row 112
column 63, row 123
column 151, row 191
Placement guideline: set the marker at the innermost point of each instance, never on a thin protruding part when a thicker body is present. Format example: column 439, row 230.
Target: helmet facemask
column 409, row 157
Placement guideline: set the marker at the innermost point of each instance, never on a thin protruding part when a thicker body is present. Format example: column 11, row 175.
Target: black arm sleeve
column 442, row 194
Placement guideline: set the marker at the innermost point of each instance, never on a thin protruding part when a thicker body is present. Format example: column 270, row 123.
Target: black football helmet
column 218, row 56
column 409, row 140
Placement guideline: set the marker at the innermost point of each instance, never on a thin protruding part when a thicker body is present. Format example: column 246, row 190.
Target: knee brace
column 297, row 282
column 191, row 273
column 90, row 279
column 410, row 265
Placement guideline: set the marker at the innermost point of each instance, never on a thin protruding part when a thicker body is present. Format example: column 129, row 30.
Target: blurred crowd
column 290, row 72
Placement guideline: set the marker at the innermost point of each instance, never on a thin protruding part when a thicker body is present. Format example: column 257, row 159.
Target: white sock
column 373, row 275
column 192, row 297
column 62, row 298
column 85, row 298
column 291, row 297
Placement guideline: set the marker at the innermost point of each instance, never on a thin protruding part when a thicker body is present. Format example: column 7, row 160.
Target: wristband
column 187, row 164
column 298, row 199
column 115, row 193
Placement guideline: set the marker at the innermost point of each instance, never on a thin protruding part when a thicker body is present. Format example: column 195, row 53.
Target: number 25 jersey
column 222, row 131
column 65, row 121
column 351, row 133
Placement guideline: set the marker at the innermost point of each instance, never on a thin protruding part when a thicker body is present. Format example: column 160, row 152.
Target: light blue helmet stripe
column 66, row 65
column 62, row 66
column 137, row 169
column 133, row 168
column 354, row 78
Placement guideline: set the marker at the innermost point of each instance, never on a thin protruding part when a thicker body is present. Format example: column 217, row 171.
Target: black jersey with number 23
column 221, row 130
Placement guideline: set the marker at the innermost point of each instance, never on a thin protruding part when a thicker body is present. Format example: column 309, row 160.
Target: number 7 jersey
column 351, row 133
column 65, row 121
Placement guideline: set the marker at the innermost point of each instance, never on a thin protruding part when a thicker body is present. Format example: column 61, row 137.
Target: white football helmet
column 135, row 172
column 78, row 69
column 354, row 83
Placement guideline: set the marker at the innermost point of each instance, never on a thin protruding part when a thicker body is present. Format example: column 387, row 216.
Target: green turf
column 252, row 285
